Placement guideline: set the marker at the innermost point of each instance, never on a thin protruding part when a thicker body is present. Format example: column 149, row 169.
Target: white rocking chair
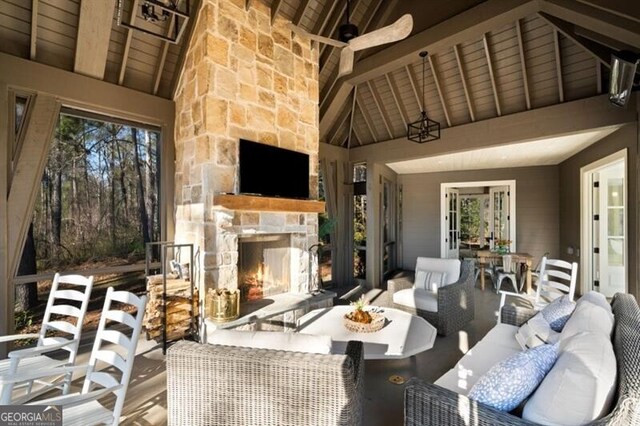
column 83, row 408
column 34, row 359
column 557, row 278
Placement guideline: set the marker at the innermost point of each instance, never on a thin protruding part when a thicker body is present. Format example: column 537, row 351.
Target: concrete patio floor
column 146, row 401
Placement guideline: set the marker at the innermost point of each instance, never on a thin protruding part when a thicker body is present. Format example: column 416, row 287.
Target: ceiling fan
column 351, row 42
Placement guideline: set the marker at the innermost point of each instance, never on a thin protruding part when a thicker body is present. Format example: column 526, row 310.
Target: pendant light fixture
column 424, row 129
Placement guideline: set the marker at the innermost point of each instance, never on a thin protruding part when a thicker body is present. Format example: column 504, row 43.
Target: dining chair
column 60, row 330
column 508, row 270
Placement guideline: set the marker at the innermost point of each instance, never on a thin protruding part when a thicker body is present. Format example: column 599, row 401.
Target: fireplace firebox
column 264, row 265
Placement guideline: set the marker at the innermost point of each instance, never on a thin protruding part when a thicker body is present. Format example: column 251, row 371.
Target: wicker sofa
column 229, row 385
column 455, row 305
column 427, row 403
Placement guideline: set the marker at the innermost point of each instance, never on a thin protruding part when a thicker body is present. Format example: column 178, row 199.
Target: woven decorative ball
column 377, row 322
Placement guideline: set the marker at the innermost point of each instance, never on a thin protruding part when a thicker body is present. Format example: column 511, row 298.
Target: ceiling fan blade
column 394, row 32
column 346, row 61
column 321, row 39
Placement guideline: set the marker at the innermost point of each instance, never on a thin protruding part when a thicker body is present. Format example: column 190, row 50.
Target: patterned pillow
column 429, row 280
column 512, row 380
column 558, row 312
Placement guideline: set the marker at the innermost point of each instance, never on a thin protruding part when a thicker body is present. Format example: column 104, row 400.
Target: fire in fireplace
column 264, row 265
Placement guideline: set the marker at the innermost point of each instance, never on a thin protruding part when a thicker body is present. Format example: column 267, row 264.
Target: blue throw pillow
column 512, row 380
column 558, row 312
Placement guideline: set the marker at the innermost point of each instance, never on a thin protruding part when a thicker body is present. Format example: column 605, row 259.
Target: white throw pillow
column 429, row 280
column 597, row 299
column 536, row 332
column 580, row 386
column 294, row 342
column 588, row 317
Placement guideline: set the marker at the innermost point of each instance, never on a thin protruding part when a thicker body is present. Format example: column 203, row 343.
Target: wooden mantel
column 267, row 204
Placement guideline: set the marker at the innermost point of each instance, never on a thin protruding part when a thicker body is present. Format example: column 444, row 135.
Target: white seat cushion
column 294, row 342
column 451, row 267
column 417, row 298
column 498, row 344
column 580, row 386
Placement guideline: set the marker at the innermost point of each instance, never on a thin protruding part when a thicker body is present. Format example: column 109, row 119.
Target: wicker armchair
column 426, row 403
column 456, row 304
column 228, row 385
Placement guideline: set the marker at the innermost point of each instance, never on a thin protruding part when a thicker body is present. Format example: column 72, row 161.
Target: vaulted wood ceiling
column 487, row 58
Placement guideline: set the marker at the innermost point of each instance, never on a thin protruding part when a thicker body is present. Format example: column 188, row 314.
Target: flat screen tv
column 273, row 172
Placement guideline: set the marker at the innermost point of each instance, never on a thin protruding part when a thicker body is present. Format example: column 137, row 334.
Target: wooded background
column 98, row 200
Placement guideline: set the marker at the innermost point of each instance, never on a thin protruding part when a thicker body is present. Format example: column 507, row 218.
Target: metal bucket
column 223, row 305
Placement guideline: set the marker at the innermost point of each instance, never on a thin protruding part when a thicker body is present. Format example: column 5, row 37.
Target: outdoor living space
column 350, row 212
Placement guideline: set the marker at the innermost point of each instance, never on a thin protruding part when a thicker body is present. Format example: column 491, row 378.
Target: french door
column 453, row 223
column 499, row 215
column 608, row 228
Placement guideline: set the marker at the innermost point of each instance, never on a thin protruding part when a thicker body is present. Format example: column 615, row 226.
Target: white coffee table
column 402, row 336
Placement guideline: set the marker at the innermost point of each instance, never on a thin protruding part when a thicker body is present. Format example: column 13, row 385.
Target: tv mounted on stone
column 272, row 171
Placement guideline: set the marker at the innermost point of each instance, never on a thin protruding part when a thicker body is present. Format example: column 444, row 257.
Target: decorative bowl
column 377, row 322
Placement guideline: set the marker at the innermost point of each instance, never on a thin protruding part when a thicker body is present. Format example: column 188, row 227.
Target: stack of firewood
column 179, row 307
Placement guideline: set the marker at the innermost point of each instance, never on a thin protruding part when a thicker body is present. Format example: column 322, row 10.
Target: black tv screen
column 272, row 171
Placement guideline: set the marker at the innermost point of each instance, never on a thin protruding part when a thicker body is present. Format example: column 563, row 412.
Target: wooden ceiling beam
column 492, row 77
column 353, row 113
column 394, row 92
column 327, row 12
column 367, row 120
column 163, row 58
column 94, row 34
column 523, row 65
column 302, row 9
column 275, row 9
column 355, row 133
column 381, row 110
column 558, row 55
column 34, row 30
column 567, row 29
column 335, row 22
column 467, row 93
column 596, row 19
column 414, row 86
column 337, row 132
column 127, row 44
column 436, row 79
column 465, row 26
column 616, row 7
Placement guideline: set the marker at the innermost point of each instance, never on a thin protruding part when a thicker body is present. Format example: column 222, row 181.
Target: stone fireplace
column 244, row 77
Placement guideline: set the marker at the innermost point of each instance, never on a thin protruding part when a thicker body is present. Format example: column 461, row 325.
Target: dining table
column 523, row 259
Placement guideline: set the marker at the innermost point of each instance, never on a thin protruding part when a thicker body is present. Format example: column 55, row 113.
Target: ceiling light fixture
column 169, row 22
column 424, row 129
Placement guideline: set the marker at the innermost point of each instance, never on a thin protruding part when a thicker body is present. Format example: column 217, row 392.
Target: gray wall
column 537, row 207
column 626, row 137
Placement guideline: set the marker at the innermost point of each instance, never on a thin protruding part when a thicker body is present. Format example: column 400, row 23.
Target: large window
column 97, row 207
